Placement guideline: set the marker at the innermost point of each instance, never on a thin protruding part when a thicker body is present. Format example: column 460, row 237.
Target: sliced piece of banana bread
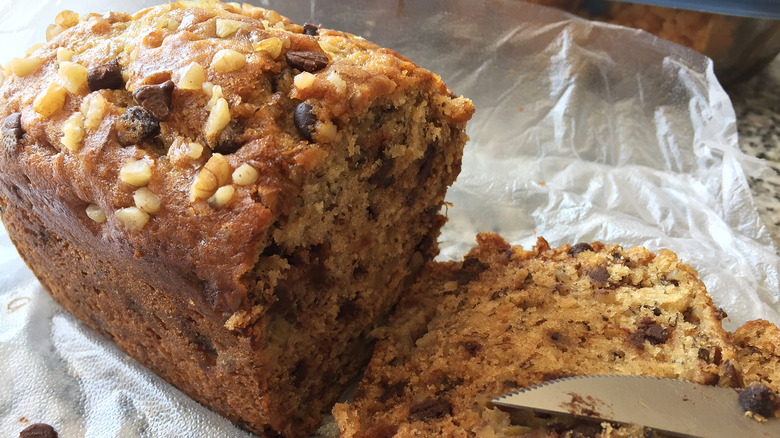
column 505, row 318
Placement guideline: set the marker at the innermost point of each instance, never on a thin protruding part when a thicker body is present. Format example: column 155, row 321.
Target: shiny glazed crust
column 234, row 199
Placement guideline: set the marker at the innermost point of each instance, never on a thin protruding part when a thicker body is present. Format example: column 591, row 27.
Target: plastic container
column 739, row 46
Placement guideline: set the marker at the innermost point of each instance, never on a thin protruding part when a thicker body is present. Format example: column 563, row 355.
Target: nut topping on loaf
column 236, row 200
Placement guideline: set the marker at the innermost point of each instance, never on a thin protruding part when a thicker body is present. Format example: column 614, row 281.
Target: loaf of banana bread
column 506, row 318
column 234, row 199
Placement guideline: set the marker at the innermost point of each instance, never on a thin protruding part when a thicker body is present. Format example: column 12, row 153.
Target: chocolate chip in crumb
column 38, row 430
column 105, row 77
column 430, row 408
column 230, row 139
column 306, row 60
column 305, row 120
column 311, row 29
column 135, row 126
column 650, row 331
column 156, row 99
column 393, row 391
column 578, row 248
column 12, row 131
column 760, row 399
column 472, row 347
column 599, row 275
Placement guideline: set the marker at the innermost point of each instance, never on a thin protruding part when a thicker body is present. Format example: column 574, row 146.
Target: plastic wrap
column 583, row 132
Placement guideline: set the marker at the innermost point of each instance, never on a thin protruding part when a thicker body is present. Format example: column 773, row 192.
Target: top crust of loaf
column 231, row 151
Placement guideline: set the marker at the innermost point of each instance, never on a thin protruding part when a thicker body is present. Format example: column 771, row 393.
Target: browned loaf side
column 505, row 318
column 234, row 199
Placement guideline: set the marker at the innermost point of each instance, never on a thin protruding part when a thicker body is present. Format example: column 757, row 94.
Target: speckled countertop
column 757, row 106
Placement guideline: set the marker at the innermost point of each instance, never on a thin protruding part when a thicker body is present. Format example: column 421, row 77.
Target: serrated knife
column 671, row 406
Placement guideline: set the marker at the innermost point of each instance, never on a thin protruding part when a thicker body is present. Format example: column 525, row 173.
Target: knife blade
column 666, row 405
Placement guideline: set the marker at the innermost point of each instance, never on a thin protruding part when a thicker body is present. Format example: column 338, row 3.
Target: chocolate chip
column 472, row 347
column 156, row 99
column 730, row 376
column 430, row 408
column 704, row 354
column 135, row 126
column 720, row 314
column 299, row 372
column 382, row 177
column 578, row 248
column 510, row 384
column 393, row 391
column 229, row 139
column 599, row 275
column 760, row 399
column 311, row 29
column 38, row 430
column 348, row 312
column 426, row 165
column 306, row 60
column 448, row 384
column 555, row 336
column 650, row 331
column 469, row 270
column 305, row 119
column 107, row 76
column 12, row 131
column 498, row 294
column 383, row 431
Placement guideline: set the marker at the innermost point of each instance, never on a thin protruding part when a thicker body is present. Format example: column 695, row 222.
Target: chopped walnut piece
column 222, row 196
column 245, row 175
column 50, row 100
column 146, row 200
column 214, row 92
column 73, row 132
column 219, row 117
column 133, row 218
column 203, row 4
column 93, row 108
column 66, row 19
column 73, row 76
column 271, row 46
column 226, row 28
column 327, row 131
column 192, row 77
column 194, row 150
column 64, row 54
column 96, row 213
column 228, row 60
column 24, row 66
column 53, row 30
column 304, row 80
column 214, row 174
column 340, row 84
column 136, row 172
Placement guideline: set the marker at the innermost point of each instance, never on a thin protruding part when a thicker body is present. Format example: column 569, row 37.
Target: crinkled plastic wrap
column 583, row 132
